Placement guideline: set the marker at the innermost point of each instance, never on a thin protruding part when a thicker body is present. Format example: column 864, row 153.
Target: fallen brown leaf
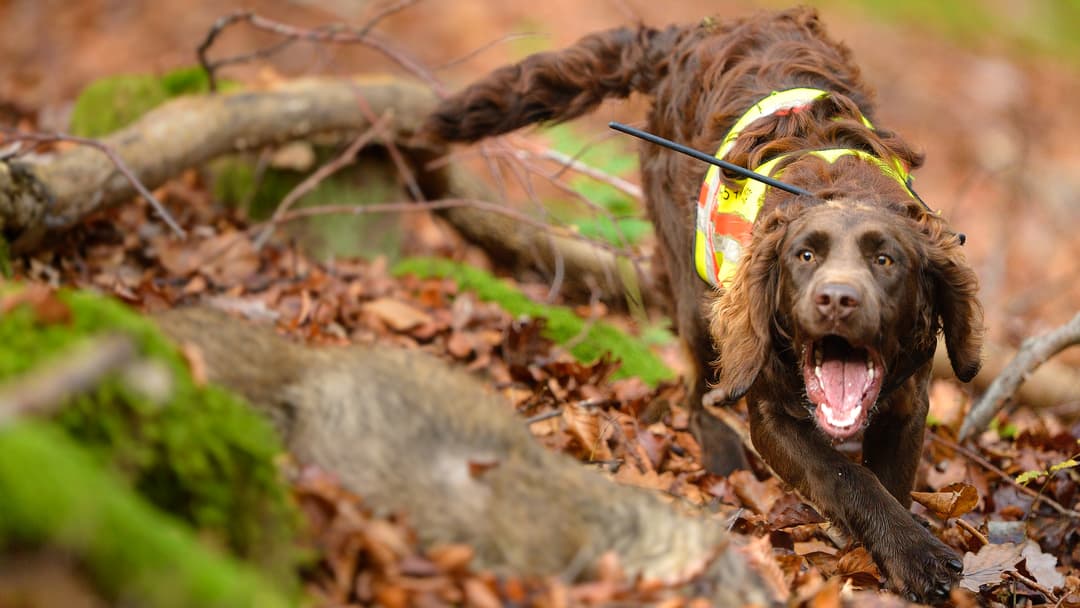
column 858, row 566
column 1041, row 566
column 451, row 558
column 953, row 500
column 585, row 424
column 989, row 565
column 396, row 314
column 760, row 496
column 814, row 546
column 196, row 363
column 478, row 594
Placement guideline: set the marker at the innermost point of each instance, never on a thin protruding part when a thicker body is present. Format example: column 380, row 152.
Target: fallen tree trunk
column 53, row 193
column 459, row 463
column 1029, row 360
column 1052, row 384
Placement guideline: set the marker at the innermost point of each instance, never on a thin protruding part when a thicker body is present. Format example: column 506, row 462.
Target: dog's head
column 856, row 294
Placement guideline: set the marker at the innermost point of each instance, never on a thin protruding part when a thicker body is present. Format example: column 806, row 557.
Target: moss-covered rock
column 200, row 454
column 562, row 324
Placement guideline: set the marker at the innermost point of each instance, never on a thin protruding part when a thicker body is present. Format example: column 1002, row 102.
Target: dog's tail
column 556, row 86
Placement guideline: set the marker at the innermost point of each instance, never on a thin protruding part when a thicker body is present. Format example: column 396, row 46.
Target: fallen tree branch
column 1023, row 489
column 1050, row 385
column 54, row 192
column 57, row 191
column 346, row 158
column 121, row 166
column 49, row 386
column 526, row 511
column 1033, row 352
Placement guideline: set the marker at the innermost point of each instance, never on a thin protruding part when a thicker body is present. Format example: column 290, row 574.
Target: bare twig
column 571, row 163
column 482, row 48
column 121, row 166
column 403, row 168
column 1053, row 599
column 77, row 371
column 343, row 160
column 1033, row 352
column 972, row 530
column 412, row 206
column 332, row 34
column 388, row 11
column 555, row 413
column 1038, row 497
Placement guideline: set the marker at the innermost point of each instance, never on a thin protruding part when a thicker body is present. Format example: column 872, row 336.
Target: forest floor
column 994, row 114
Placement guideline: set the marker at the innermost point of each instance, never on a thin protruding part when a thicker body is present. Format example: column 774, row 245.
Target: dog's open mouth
column 843, row 383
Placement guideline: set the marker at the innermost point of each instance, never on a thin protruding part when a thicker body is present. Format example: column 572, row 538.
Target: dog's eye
column 805, row 255
column 883, row 260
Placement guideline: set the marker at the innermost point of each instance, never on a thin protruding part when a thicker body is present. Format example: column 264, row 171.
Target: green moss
column 615, row 157
column 112, row 103
column 370, row 180
column 54, row 491
column 562, row 324
column 203, row 455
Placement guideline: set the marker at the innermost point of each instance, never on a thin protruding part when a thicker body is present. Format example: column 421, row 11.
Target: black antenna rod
column 712, row 160
column 723, row 164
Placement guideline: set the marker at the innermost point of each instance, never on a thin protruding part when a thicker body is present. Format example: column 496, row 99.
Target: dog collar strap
column 726, row 217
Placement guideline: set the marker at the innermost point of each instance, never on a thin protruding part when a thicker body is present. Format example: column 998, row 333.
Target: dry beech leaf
column 760, row 496
column 828, row 596
column 452, row 557
column 988, row 565
column 1042, row 566
column 951, row 501
column 585, row 425
column 478, row 594
column 459, row 344
column 759, row 553
column 47, row 307
column 859, row 566
column 814, row 546
column 196, row 363
column 395, row 313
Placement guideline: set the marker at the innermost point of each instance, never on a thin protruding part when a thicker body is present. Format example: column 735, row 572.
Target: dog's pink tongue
column 844, row 379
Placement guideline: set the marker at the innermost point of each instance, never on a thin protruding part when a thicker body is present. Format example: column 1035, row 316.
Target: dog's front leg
column 916, row 563
column 893, row 441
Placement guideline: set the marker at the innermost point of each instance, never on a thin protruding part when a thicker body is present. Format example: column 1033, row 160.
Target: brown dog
column 825, row 314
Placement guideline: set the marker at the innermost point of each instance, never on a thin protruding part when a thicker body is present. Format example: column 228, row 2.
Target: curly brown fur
column 759, row 337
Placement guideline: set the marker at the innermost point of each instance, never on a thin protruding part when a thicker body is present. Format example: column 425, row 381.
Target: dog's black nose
column 836, row 300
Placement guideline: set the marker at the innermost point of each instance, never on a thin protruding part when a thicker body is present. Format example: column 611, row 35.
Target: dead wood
column 52, row 193
column 359, row 413
column 1056, row 385
column 48, row 387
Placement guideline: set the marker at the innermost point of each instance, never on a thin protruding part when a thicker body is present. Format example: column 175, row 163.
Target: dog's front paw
column 923, row 569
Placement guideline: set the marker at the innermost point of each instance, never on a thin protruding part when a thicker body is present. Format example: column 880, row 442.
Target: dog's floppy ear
column 955, row 299
column 742, row 316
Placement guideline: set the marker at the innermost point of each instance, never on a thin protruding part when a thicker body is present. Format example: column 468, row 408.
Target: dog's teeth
column 817, row 357
column 817, row 371
column 831, row 418
column 870, row 372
